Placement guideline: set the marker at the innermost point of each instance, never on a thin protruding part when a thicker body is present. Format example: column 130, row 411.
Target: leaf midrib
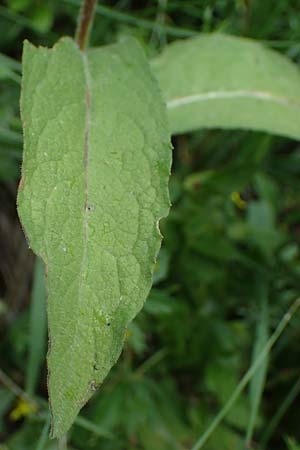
column 222, row 95
column 87, row 129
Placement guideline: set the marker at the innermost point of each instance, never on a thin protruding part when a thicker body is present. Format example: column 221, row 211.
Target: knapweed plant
column 97, row 155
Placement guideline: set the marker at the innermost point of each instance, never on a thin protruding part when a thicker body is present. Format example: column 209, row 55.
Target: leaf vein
column 222, row 95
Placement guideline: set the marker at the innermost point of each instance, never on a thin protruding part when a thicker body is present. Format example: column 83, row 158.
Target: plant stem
column 80, row 421
column 85, row 21
column 273, row 424
column 41, row 445
column 62, row 443
column 248, row 375
column 14, row 388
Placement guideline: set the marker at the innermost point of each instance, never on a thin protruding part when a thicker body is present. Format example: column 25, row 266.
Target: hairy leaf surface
column 228, row 82
column 94, row 186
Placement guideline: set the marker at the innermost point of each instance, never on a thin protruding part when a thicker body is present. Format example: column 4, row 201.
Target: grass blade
column 10, row 136
column 258, row 380
column 248, row 375
column 22, row 21
column 273, row 424
column 44, row 435
column 10, row 62
column 137, row 21
column 38, row 328
column 94, row 428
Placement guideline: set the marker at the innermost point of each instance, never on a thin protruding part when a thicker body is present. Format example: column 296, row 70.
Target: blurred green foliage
column 227, row 272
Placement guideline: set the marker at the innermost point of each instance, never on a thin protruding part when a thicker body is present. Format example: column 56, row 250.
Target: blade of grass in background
column 137, row 21
column 93, row 427
column 41, row 445
column 38, row 328
column 6, row 399
column 81, row 422
column 257, row 382
column 248, row 375
column 10, row 62
column 273, row 424
column 10, row 137
column 9, row 69
column 292, row 444
column 23, row 21
column 159, row 32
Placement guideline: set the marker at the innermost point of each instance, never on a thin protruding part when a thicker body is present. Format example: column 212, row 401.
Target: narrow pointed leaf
column 257, row 383
column 38, row 328
column 229, row 82
column 94, row 186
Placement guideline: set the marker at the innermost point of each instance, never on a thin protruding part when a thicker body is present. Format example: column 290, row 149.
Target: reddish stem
column 85, row 21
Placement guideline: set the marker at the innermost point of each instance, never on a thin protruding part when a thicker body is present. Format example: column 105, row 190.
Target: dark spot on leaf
column 93, row 385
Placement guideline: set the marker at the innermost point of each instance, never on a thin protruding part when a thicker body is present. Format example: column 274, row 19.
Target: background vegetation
column 228, row 270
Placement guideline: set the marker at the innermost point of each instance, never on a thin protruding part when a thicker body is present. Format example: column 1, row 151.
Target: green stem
column 80, row 421
column 41, row 445
column 62, row 443
column 248, row 375
column 85, row 21
column 273, row 424
column 14, row 388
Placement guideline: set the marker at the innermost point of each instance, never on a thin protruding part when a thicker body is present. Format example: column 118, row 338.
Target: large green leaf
column 228, row 82
column 94, row 186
